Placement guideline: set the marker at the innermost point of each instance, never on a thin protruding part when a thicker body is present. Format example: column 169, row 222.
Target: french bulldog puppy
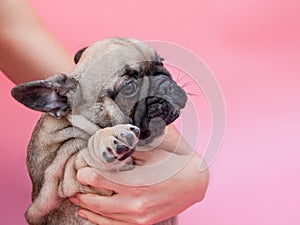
column 118, row 96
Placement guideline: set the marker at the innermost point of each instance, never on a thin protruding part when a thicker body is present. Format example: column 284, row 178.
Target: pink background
column 253, row 47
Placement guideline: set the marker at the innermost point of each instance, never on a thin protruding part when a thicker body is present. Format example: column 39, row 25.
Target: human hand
column 142, row 204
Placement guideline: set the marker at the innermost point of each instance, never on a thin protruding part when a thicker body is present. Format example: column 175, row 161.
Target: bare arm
column 27, row 50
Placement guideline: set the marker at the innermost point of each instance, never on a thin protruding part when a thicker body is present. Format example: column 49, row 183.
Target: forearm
column 174, row 142
column 28, row 50
column 196, row 179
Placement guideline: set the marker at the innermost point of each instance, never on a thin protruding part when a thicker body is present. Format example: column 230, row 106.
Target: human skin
column 142, row 204
column 30, row 52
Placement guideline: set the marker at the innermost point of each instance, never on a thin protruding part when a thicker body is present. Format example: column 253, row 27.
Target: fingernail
column 82, row 214
column 74, row 200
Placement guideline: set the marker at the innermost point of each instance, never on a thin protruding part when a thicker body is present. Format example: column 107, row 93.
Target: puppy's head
column 117, row 80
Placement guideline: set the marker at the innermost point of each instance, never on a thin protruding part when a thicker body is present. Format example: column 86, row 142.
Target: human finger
column 105, row 204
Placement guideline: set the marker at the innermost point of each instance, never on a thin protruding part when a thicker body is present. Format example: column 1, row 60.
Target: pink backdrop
column 253, row 48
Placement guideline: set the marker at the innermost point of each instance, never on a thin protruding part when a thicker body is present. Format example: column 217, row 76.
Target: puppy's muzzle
column 167, row 89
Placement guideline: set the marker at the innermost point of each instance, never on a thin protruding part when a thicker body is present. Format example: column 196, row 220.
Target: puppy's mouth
column 152, row 115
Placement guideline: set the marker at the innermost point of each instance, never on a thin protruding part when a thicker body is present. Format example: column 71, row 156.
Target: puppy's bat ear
column 78, row 55
column 49, row 96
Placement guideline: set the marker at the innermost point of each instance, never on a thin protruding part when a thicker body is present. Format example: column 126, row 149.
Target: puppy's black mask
column 151, row 100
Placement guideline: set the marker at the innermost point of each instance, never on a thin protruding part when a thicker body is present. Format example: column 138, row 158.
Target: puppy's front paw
column 115, row 143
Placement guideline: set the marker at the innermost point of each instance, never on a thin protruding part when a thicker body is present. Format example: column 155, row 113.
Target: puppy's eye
column 130, row 88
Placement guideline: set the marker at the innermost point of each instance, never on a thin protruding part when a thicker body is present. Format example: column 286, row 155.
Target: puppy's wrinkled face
column 150, row 98
column 139, row 85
